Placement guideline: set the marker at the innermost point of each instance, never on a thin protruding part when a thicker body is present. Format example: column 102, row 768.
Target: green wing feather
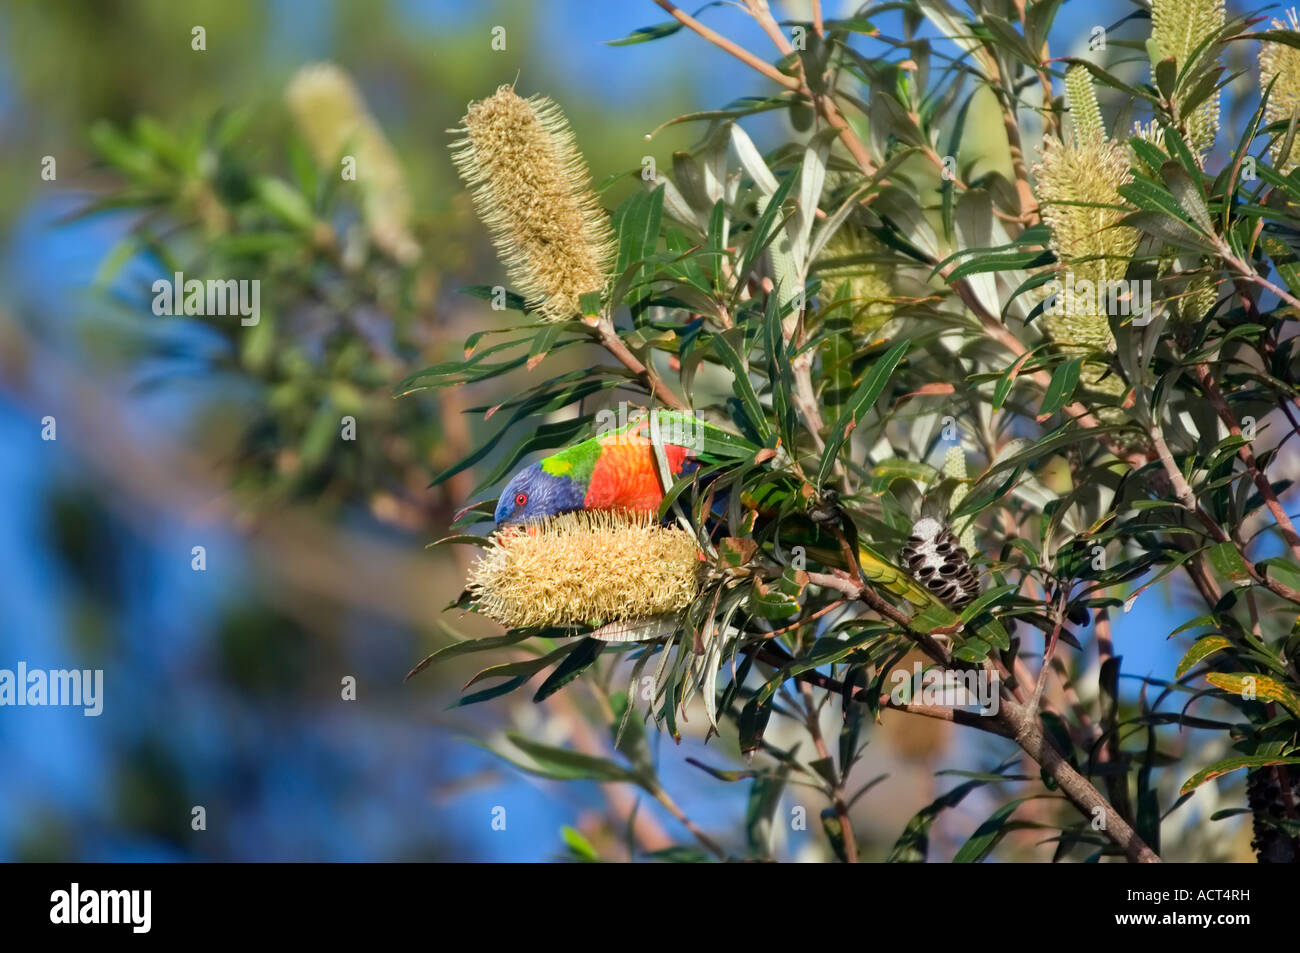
column 710, row 444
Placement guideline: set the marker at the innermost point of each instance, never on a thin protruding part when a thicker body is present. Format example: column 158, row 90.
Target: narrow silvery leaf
column 811, row 180
column 952, row 24
column 689, row 177
column 714, row 161
column 712, row 662
column 920, row 434
column 1030, row 491
column 752, row 160
column 974, row 223
column 900, row 206
column 676, row 206
column 832, row 224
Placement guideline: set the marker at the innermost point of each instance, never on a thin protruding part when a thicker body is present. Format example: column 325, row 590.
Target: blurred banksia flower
column 865, row 285
column 531, row 188
column 332, row 117
column 1085, row 239
column 1195, row 298
column 1178, row 27
column 1282, row 61
column 586, row 568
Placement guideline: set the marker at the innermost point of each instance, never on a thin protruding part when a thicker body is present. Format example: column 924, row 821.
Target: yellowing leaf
column 1262, row 687
column 1203, row 649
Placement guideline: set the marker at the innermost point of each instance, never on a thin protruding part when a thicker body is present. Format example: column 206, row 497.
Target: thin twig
column 1058, row 616
column 1185, row 496
column 813, row 724
column 1248, row 457
column 614, row 344
column 709, row 844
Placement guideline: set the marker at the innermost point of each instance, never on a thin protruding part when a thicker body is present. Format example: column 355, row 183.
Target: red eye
column 521, row 499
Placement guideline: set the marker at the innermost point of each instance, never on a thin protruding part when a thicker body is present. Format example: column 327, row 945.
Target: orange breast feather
column 625, row 478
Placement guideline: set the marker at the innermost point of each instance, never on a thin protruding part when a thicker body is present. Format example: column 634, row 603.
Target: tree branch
column 1015, row 721
column 1248, row 457
column 614, row 344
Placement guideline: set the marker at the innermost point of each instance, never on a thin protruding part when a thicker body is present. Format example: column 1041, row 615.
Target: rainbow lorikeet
column 616, row 470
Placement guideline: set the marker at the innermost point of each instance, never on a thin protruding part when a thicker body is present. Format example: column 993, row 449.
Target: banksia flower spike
column 332, row 117
column 1178, row 27
column 1086, row 239
column 1283, row 62
column 586, row 568
column 1085, row 111
column 531, row 188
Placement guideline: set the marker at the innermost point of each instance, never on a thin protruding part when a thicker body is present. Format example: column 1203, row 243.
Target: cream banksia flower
column 332, row 117
column 1282, row 61
column 531, row 189
column 586, row 568
column 1086, row 240
column 1177, row 28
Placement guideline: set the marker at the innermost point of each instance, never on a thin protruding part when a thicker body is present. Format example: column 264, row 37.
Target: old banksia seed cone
column 936, row 558
column 531, row 188
column 586, row 568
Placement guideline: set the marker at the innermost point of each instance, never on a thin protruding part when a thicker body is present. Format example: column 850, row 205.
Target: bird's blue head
column 532, row 493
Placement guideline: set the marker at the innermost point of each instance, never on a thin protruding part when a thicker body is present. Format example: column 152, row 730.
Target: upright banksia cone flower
column 1085, row 239
column 531, row 188
column 1085, row 111
column 332, row 117
column 586, row 568
column 1283, row 62
column 1178, row 27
